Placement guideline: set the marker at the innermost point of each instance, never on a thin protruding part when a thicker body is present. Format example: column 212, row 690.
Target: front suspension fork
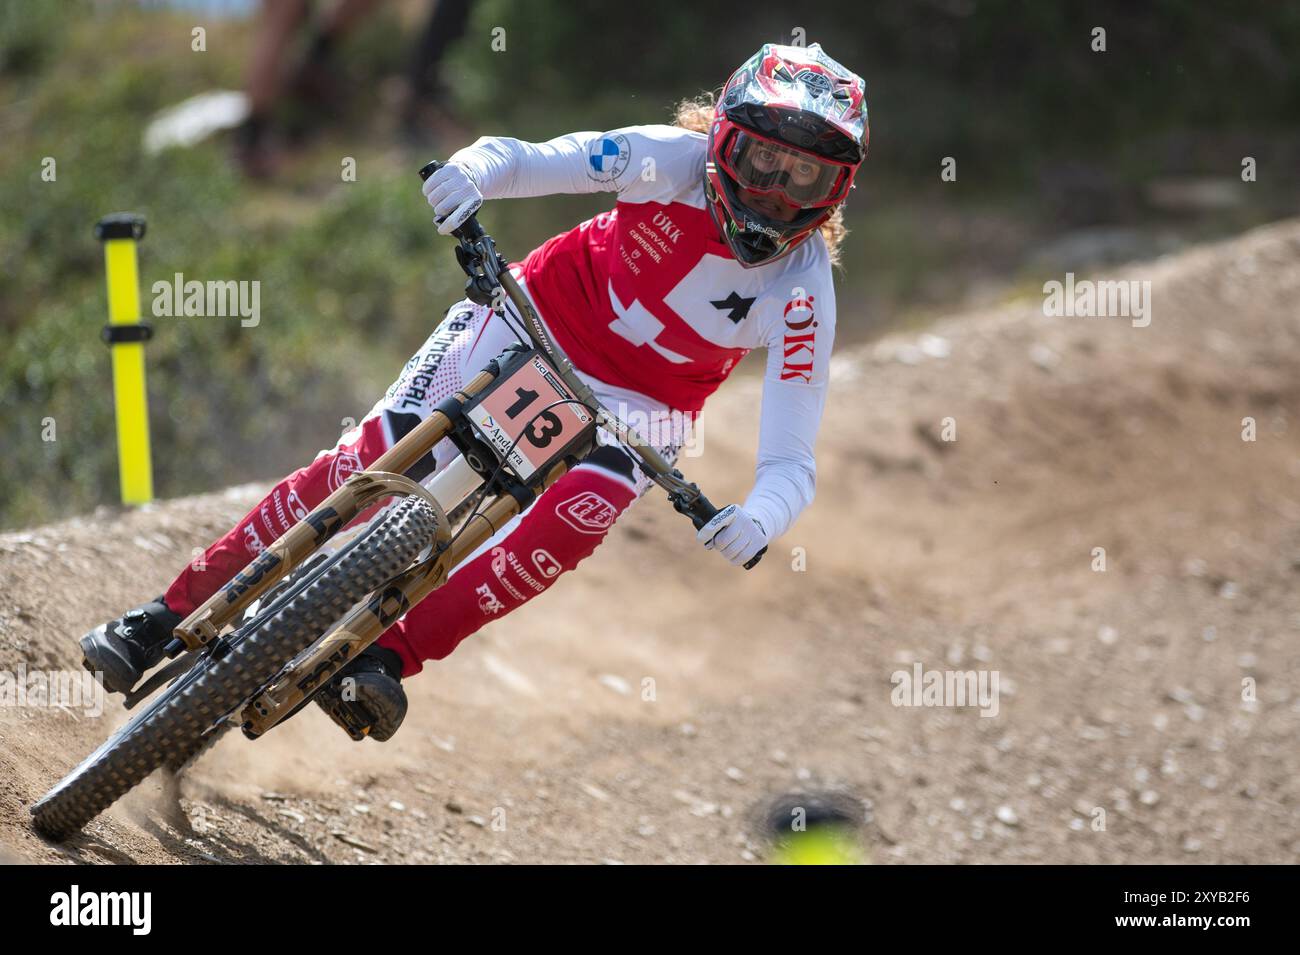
column 366, row 621
column 383, row 479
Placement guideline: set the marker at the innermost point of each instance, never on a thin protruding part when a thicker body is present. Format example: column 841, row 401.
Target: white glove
column 454, row 197
column 734, row 533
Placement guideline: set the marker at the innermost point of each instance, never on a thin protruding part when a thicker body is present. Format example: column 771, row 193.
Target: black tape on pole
column 122, row 334
column 120, row 225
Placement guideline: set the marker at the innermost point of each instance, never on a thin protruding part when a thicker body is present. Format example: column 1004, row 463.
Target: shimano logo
column 74, row 907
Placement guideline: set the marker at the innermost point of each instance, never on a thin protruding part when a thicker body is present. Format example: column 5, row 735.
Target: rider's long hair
column 697, row 115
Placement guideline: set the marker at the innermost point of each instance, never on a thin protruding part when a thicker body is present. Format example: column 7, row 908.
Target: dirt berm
column 650, row 707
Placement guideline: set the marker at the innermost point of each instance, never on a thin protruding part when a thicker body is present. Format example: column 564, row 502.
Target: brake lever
column 473, row 252
column 700, row 510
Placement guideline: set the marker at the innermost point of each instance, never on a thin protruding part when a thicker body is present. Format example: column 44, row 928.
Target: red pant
column 562, row 527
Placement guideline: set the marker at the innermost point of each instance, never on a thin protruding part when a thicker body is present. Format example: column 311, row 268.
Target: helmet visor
column 801, row 178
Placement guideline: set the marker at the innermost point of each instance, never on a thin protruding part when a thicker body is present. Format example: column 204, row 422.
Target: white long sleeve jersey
column 647, row 296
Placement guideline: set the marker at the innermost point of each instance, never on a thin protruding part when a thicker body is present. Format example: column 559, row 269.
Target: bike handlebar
column 477, row 251
column 469, row 230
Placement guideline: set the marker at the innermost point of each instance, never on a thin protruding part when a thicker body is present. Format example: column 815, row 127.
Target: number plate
column 529, row 416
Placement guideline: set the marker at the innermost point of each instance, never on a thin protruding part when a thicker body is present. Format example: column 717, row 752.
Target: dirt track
column 1120, row 690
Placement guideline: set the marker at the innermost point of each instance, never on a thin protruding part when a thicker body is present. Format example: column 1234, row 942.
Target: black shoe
column 366, row 696
column 123, row 649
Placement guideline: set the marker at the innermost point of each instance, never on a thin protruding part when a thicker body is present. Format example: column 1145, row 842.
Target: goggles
column 801, row 178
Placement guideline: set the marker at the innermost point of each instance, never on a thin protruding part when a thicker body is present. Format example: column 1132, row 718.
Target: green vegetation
column 353, row 275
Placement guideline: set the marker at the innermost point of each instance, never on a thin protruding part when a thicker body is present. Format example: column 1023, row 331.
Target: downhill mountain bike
column 258, row 650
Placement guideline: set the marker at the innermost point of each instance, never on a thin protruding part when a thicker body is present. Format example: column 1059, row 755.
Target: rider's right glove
column 454, row 197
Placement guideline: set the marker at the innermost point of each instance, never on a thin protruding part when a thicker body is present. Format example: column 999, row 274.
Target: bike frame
column 489, row 282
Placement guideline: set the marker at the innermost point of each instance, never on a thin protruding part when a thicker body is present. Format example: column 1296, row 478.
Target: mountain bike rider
column 721, row 240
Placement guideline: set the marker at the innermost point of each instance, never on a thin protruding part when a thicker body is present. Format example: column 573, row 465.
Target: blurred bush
column 353, row 276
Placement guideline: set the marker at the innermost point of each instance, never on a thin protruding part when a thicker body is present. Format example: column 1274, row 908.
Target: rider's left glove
column 454, row 197
column 734, row 533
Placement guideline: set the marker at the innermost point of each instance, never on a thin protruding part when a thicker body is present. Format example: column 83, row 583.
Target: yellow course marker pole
column 126, row 335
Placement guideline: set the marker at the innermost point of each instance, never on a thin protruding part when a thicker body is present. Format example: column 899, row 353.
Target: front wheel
column 181, row 722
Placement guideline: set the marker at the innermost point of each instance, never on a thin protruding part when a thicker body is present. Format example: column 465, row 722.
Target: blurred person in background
column 313, row 82
column 310, row 80
column 427, row 114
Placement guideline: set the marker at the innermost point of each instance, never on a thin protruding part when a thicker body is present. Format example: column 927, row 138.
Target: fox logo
column 252, row 540
column 487, row 600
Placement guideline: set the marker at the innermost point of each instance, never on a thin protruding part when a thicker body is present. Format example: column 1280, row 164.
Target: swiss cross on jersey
column 657, row 246
column 648, row 297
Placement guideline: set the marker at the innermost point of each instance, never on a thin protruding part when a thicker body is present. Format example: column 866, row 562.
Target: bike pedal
column 343, row 717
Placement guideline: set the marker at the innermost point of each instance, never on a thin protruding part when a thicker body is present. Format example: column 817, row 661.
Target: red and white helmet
column 788, row 136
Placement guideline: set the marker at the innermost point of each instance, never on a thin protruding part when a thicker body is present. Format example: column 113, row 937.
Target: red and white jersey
column 648, row 297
